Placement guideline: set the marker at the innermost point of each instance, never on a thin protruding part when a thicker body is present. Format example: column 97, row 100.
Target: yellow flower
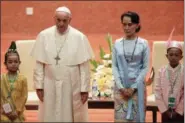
column 101, row 82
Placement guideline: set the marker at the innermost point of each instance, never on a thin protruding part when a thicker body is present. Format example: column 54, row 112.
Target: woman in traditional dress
column 130, row 65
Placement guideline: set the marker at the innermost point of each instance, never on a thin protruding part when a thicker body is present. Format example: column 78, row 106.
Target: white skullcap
column 175, row 44
column 63, row 9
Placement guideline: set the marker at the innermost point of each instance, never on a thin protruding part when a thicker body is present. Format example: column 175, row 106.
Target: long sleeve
column 180, row 106
column 144, row 69
column 115, row 70
column 38, row 75
column 158, row 95
column 23, row 98
column 85, row 76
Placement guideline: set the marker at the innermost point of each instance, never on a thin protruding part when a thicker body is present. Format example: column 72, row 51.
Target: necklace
column 11, row 81
column 132, row 57
column 57, row 58
column 172, row 83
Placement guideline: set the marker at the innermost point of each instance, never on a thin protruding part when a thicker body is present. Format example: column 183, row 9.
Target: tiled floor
column 95, row 115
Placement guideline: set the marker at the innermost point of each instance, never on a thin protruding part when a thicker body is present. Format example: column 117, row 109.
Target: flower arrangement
column 102, row 71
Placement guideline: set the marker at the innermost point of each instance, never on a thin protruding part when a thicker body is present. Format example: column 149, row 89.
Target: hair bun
column 12, row 46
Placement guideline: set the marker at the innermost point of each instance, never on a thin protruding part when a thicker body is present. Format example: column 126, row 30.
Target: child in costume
column 169, row 88
column 14, row 90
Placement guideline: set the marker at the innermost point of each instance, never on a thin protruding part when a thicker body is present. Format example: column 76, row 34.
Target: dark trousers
column 178, row 119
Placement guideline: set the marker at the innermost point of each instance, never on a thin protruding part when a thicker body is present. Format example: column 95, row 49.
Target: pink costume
column 168, row 76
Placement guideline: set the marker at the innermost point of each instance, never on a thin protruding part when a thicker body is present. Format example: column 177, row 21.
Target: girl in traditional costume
column 14, row 88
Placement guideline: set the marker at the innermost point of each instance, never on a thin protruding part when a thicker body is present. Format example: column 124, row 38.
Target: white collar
column 173, row 69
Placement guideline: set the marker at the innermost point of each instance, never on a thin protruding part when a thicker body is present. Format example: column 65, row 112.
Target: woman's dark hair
column 12, row 49
column 134, row 18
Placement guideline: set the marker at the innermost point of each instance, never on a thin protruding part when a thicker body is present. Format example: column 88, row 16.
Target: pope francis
column 62, row 71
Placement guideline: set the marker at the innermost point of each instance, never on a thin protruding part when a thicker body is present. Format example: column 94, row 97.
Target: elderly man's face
column 62, row 21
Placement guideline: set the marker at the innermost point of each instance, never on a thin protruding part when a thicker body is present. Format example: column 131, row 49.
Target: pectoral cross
column 57, row 58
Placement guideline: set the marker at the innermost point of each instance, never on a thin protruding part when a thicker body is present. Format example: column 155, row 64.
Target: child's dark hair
column 170, row 48
column 12, row 49
column 134, row 18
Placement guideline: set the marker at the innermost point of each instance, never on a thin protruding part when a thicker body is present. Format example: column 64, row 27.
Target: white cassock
column 62, row 83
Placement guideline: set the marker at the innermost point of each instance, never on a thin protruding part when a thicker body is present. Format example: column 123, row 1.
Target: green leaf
column 94, row 63
column 102, row 53
column 108, row 38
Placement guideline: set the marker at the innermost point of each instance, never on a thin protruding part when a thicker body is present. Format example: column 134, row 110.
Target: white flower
column 105, row 63
column 109, row 61
column 99, row 67
column 108, row 92
column 106, row 56
column 102, row 93
column 98, row 73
